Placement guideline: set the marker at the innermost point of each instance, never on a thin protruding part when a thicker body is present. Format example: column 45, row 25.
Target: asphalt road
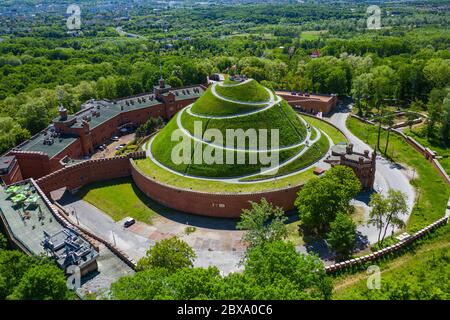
column 388, row 175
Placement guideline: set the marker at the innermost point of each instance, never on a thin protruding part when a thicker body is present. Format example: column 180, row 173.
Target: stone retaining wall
column 388, row 250
column 426, row 152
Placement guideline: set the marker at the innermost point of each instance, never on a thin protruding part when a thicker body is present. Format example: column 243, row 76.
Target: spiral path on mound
column 273, row 100
column 238, row 180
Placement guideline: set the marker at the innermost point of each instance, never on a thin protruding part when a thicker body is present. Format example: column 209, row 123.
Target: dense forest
column 405, row 63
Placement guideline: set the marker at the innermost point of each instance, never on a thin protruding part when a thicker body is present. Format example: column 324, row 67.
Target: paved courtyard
column 215, row 241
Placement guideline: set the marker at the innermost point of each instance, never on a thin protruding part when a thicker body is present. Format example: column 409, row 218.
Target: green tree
column 437, row 71
column 277, row 263
column 434, row 111
column 42, row 283
column 13, row 265
column 361, row 89
column 144, row 285
column 33, row 116
column 171, row 254
column 11, row 133
column 3, row 242
column 342, row 236
column 321, row 199
column 123, row 88
column 389, row 121
column 445, row 120
column 387, row 211
column 263, row 222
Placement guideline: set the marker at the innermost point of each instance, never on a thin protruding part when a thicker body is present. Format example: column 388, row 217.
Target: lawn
column 208, row 104
column 251, row 91
column 150, row 169
column 312, row 35
column 432, row 191
column 313, row 154
column 436, row 146
column 335, row 135
column 281, row 117
column 119, row 198
column 421, row 273
column 162, row 147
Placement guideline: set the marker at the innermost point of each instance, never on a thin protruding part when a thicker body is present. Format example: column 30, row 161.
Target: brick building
column 72, row 137
column 362, row 164
column 311, row 103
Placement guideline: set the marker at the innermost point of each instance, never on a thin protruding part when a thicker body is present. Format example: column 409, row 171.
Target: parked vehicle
column 115, row 138
column 129, row 222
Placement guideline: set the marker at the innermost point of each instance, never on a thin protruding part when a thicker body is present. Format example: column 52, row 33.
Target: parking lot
column 110, row 150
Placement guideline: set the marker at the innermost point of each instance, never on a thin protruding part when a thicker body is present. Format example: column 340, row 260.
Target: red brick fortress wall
column 226, row 205
column 75, row 176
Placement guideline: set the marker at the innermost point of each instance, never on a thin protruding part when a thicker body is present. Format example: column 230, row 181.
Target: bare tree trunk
column 379, row 133
column 387, row 141
column 386, row 227
column 380, row 225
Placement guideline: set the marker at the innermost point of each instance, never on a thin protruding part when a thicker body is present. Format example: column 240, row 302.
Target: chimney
column 161, row 83
column 62, row 113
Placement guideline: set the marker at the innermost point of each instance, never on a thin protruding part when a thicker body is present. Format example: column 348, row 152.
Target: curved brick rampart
column 226, row 205
column 75, row 176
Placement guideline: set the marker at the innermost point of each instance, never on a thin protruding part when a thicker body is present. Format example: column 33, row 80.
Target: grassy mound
column 166, row 146
column 163, row 145
column 251, row 91
column 281, row 117
column 209, row 105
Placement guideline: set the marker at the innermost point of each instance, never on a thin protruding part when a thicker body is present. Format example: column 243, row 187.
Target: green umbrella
column 18, row 198
column 12, row 189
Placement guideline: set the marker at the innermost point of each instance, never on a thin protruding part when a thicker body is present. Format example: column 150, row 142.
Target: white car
column 115, row 138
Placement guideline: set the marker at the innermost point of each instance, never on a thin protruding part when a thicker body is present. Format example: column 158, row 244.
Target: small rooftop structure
column 216, row 77
column 6, row 164
column 238, row 78
column 68, row 248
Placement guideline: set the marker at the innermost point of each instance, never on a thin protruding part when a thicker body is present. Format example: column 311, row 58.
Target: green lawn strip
column 210, row 105
column 251, row 91
column 433, row 192
column 420, row 267
column 312, row 35
column 119, row 198
column 281, row 117
column 149, row 168
column 163, row 145
column 316, row 152
column 335, row 135
column 436, row 146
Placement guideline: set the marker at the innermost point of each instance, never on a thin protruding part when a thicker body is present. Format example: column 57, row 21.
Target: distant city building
column 315, row 54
